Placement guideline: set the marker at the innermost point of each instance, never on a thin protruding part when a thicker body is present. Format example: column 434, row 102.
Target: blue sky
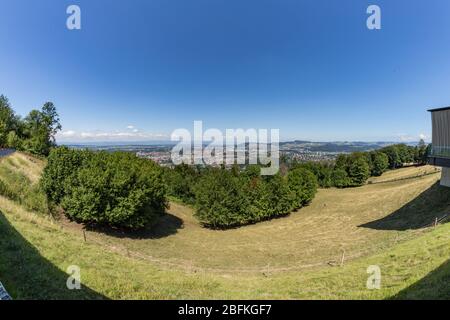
column 139, row 69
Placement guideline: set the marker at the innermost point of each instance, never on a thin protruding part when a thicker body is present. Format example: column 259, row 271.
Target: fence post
column 343, row 258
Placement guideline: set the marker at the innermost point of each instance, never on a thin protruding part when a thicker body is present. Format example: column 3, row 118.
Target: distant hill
column 298, row 146
column 337, row 146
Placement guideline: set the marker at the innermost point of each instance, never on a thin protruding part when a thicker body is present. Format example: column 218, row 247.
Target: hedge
column 114, row 189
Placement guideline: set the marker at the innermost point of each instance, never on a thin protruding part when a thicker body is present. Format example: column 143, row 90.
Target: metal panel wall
column 441, row 128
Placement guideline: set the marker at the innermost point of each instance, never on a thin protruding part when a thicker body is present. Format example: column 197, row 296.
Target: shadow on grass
column 435, row 285
column 27, row 275
column 166, row 225
column 419, row 213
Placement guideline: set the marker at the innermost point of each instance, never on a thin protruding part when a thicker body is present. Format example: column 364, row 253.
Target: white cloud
column 403, row 137
column 130, row 127
column 68, row 133
column 133, row 135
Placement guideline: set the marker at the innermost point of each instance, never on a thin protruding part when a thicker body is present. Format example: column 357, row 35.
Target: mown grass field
column 297, row 257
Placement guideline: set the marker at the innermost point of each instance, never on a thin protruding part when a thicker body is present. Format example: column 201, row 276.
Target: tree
column 13, row 140
column 8, row 120
column 303, row 185
column 220, row 200
column 61, row 163
column 51, row 121
column 342, row 161
column 422, row 153
column 277, row 197
column 181, row 181
column 40, row 129
column 359, row 171
column 340, row 178
column 99, row 188
column 395, row 160
column 322, row 170
column 422, row 144
column 380, row 163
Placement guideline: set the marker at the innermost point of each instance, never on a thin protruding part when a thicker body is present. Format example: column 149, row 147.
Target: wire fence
column 339, row 258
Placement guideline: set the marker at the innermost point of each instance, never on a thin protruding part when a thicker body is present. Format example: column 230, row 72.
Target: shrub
column 181, row 182
column 61, row 163
column 380, row 163
column 359, row 171
column 395, row 160
column 220, row 200
column 322, row 170
column 114, row 189
column 279, row 197
column 303, row 185
column 340, row 178
column 229, row 198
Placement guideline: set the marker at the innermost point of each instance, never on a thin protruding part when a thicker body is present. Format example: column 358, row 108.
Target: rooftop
column 439, row 109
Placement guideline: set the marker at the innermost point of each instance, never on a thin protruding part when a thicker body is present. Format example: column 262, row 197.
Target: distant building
column 440, row 152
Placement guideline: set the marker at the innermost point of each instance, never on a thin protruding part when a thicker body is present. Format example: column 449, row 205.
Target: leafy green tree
column 13, row 140
column 278, row 196
column 220, row 200
column 406, row 154
column 395, row 160
column 342, row 161
column 303, row 185
column 9, row 122
column 181, row 182
column 61, row 163
column 340, row 178
column 99, row 188
column 380, row 163
column 322, row 171
column 422, row 153
column 252, row 171
column 359, row 171
column 40, row 128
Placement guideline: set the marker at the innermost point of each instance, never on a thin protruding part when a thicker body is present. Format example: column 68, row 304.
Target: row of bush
column 115, row 189
column 35, row 133
column 227, row 198
column 119, row 189
column 351, row 170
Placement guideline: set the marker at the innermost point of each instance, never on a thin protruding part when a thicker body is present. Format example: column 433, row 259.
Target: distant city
column 301, row 151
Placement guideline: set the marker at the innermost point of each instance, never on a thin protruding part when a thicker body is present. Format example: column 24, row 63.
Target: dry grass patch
column 337, row 221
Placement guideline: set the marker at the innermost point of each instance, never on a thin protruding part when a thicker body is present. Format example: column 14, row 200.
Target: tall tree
column 8, row 120
column 41, row 128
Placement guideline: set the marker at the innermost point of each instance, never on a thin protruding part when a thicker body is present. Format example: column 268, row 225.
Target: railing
column 437, row 151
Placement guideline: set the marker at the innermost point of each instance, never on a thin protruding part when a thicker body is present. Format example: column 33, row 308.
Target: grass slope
column 296, row 257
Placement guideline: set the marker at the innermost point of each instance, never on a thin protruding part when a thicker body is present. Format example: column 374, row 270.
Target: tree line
column 354, row 169
column 121, row 190
column 35, row 133
column 225, row 198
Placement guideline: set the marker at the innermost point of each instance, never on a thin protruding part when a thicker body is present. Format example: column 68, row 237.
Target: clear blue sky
column 310, row 68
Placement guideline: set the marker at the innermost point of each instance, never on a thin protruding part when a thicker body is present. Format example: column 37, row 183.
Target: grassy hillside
column 294, row 257
column 19, row 177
